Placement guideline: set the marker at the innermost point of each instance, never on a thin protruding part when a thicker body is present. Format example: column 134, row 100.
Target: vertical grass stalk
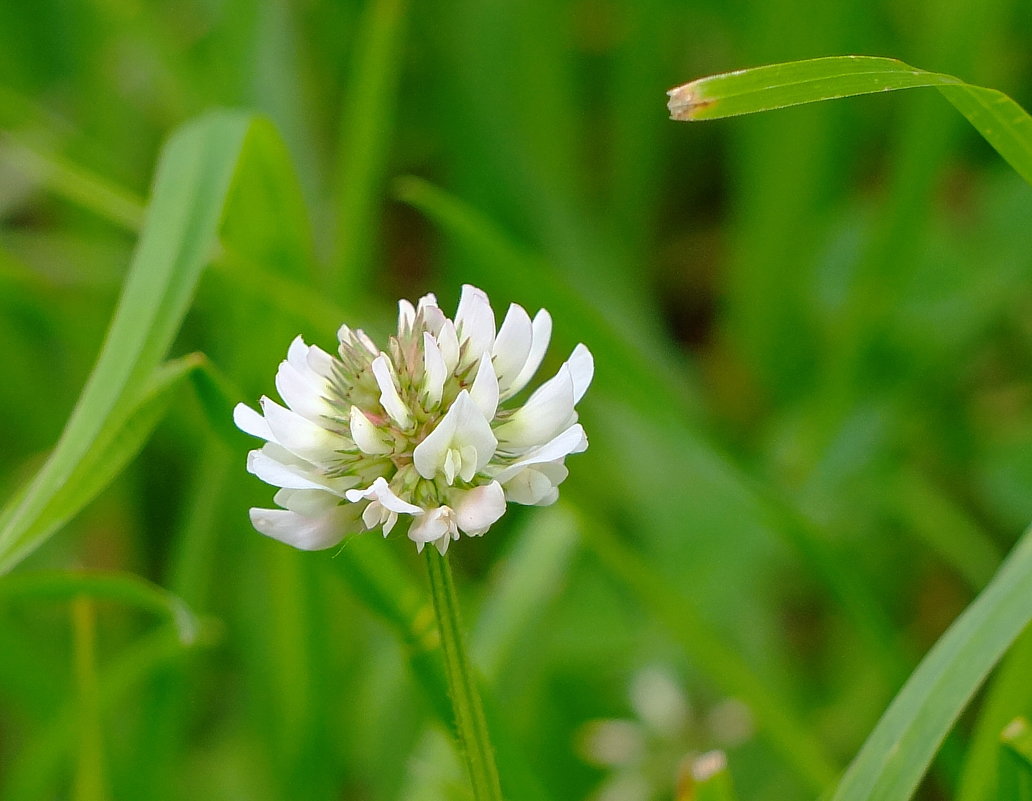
column 89, row 772
column 466, row 705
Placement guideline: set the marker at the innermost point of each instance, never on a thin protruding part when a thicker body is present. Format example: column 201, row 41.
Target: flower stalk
column 470, row 723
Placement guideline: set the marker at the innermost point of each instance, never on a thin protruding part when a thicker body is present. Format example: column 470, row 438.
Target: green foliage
column 810, row 429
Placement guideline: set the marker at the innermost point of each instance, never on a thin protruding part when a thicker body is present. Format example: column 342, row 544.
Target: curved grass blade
column 1011, row 690
column 114, row 446
column 1003, row 123
column 195, row 176
column 897, row 753
column 124, row 588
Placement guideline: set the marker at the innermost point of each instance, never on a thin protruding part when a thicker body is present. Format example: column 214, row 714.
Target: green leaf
column 191, row 190
column 1003, row 123
column 897, row 753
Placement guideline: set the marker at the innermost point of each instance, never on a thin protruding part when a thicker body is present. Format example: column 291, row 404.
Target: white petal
column 366, row 435
column 298, row 434
column 406, row 316
column 512, row 346
column 478, row 509
column 582, row 370
column 250, row 422
column 304, row 391
column 319, row 361
column 537, row 485
column 474, row 323
column 428, row 301
column 484, row 392
column 434, row 371
column 572, row 440
column 306, row 502
column 542, row 334
column 435, row 525
column 462, row 428
column 380, row 491
column 306, row 533
column 278, row 474
column 389, row 397
column 448, row 342
column 547, row 412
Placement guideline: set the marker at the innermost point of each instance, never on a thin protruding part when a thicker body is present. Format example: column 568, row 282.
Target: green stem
column 469, row 712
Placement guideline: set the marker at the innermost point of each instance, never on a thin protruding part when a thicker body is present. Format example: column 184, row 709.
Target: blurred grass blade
column 39, row 765
column 1003, row 123
column 897, row 753
column 124, row 588
column 89, row 783
column 365, row 138
column 191, row 190
column 113, row 447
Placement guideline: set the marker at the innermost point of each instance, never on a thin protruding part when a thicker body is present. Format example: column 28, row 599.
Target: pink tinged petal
column 434, row 371
column 437, row 526
column 484, row 392
column 306, row 502
column 299, row 435
column 582, row 370
column 250, row 422
column 462, row 443
column 542, row 333
column 478, row 509
column 389, row 397
column 546, row 413
column 381, row 492
column 572, row 440
column 406, row 316
column 512, row 346
column 367, row 436
column 306, row 533
column 474, row 323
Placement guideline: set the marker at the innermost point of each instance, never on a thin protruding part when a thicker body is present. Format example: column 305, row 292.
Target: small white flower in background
column 418, row 429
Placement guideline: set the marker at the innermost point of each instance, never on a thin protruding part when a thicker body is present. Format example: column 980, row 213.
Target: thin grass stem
column 470, row 722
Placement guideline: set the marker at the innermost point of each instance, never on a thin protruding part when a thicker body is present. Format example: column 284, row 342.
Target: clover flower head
column 420, row 429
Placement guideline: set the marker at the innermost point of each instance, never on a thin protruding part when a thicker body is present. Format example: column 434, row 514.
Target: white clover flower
column 369, row 435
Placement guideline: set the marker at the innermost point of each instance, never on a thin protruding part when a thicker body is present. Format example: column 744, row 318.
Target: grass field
column 810, row 423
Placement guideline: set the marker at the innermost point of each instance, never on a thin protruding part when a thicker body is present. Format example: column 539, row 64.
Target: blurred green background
column 811, row 429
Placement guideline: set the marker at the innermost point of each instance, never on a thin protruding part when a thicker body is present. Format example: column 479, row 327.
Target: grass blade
column 1003, row 123
column 124, row 588
column 894, row 758
column 192, row 187
column 113, row 447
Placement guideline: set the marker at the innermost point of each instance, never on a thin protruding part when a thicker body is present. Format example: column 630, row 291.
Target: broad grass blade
column 196, row 173
column 897, row 753
column 1003, row 123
